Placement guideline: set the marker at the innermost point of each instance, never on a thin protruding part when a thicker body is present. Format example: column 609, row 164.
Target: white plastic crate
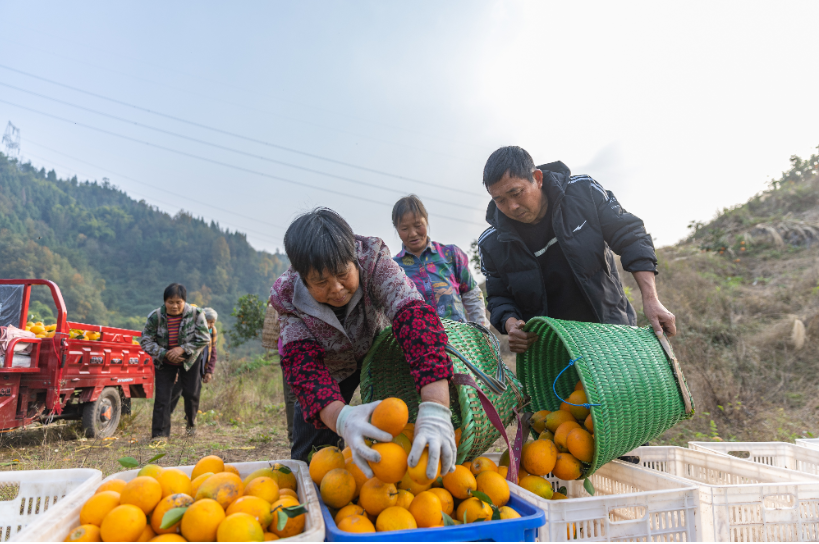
column 812, row 443
column 742, row 501
column 56, row 528
column 775, row 454
column 629, row 504
column 31, row 495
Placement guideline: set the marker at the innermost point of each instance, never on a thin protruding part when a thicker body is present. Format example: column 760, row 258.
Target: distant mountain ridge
column 112, row 256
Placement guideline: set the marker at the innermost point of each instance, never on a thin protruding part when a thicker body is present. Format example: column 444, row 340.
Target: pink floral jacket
column 319, row 351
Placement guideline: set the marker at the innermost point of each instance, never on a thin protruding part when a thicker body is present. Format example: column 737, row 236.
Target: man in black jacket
column 549, row 249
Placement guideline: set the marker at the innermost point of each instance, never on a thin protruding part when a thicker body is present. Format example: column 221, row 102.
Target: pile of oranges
column 564, row 446
column 400, row 497
column 48, row 331
column 213, row 504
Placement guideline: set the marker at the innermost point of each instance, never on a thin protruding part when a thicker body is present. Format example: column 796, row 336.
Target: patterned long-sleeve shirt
column 319, row 350
column 442, row 276
column 192, row 337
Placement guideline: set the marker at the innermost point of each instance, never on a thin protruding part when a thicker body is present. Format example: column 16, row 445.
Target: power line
column 233, row 134
column 227, row 165
column 230, row 149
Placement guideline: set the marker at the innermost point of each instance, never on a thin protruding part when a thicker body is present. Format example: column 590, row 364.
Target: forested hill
column 113, row 256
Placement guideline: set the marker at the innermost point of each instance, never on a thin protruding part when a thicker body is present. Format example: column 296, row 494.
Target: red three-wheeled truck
column 68, row 378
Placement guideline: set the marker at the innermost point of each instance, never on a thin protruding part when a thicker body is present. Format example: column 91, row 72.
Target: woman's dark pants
column 305, row 435
column 191, row 381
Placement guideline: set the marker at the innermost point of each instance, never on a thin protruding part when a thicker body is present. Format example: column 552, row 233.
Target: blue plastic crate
column 523, row 529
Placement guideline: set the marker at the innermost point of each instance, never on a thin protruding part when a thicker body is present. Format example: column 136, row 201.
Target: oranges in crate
column 165, row 505
column 399, row 497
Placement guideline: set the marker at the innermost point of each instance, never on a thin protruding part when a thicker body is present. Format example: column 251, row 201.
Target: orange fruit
column 178, row 500
column 539, row 457
column 578, row 386
column 358, row 476
column 426, row 508
column 558, row 496
column 376, row 496
column 111, row 485
column 474, row 509
column 504, row 459
column 409, row 431
column 174, row 481
column 347, row 453
column 150, row 470
column 337, row 488
column 562, row 433
column 393, row 464
column 458, row 434
column 404, row 498
column 259, row 473
column 222, row 487
column 494, row 486
column 412, row 486
column 285, row 477
column 258, row 508
column 419, row 472
column 198, row 481
column 508, row 513
column 567, row 467
column 211, row 463
column 270, row 536
column 147, row 534
column 537, row 485
column 395, row 519
column 168, row 538
column 581, row 444
column 349, row 510
column 231, row 469
column 264, row 488
column 404, row 442
column 554, row 419
column 97, row 507
column 391, row 415
column 240, row 527
column 201, row 519
column 547, row 435
column 538, row 420
column 84, row 533
column 284, row 492
column 323, row 461
column 480, row 464
column 294, row 526
column 503, row 471
column 356, row 524
column 447, row 502
column 124, row 523
column 144, row 492
column 589, row 423
column 460, row 482
column 578, row 412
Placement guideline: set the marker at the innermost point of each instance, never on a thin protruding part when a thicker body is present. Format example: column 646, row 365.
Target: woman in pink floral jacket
column 340, row 291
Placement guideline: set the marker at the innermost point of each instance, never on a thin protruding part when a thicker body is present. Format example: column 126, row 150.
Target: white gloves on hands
column 433, row 429
column 353, row 425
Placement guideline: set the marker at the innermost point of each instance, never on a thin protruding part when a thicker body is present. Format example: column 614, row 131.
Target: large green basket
column 623, row 369
column 385, row 373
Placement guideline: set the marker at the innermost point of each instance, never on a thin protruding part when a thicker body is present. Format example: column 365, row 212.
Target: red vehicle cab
column 68, row 378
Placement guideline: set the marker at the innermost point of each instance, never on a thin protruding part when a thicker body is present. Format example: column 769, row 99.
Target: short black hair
column 408, row 204
column 319, row 240
column 175, row 290
column 512, row 159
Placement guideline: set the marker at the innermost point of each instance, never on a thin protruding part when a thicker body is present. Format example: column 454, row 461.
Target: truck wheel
column 101, row 417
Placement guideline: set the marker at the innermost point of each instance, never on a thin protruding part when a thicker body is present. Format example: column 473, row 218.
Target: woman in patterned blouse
column 340, row 291
column 441, row 273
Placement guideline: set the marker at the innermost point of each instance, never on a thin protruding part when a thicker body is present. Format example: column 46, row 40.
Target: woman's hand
column 207, row 378
column 176, row 355
column 353, row 425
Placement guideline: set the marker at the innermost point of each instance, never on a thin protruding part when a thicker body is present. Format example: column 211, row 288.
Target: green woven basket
column 385, row 373
column 623, row 369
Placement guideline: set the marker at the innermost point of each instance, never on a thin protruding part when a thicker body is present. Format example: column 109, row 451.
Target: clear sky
column 680, row 108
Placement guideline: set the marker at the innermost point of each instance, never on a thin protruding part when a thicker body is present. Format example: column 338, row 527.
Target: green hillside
column 112, row 256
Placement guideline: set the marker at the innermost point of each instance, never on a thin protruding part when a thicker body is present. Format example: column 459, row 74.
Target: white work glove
column 353, row 425
column 433, row 429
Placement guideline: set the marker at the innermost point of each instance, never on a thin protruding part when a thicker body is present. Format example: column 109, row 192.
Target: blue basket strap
column 554, row 384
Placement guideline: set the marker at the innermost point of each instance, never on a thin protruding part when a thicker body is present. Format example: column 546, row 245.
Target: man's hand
column 176, row 355
column 207, row 377
column 660, row 318
column 519, row 340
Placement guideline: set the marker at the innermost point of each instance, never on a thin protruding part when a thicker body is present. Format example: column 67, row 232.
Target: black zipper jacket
column 589, row 224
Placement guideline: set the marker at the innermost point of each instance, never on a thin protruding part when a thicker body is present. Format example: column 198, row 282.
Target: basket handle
column 675, row 367
column 494, row 418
